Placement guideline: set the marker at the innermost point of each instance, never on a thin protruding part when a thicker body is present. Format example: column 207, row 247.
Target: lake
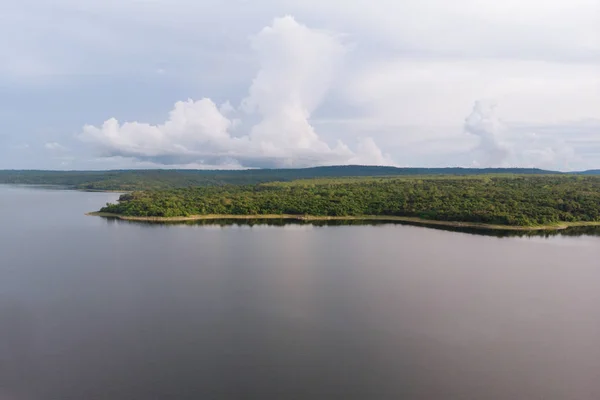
column 92, row 308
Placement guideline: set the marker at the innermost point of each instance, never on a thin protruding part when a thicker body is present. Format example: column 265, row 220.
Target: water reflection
column 570, row 232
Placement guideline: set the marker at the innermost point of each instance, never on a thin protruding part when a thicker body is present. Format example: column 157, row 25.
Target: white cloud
column 430, row 92
column 517, row 29
column 192, row 127
column 504, row 146
column 483, row 123
column 297, row 66
column 54, row 146
column 406, row 74
column 418, row 106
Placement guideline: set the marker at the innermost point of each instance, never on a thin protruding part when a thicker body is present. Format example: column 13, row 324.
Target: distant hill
column 164, row 179
column 590, row 172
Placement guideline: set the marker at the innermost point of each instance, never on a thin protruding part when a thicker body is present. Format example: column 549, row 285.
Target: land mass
column 128, row 180
column 481, row 201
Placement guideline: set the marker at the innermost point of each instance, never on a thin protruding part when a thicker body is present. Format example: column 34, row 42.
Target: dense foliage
column 127, row 180
column 504, row 200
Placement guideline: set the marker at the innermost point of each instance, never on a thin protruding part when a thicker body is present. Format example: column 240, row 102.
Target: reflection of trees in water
column 573, row 231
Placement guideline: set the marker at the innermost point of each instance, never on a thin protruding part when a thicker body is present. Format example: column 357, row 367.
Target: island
column 516, row 202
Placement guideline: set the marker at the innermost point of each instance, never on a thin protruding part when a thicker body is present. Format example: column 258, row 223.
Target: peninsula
column 515, row 202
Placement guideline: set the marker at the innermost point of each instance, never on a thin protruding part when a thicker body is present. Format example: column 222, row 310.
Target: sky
column 234, row 84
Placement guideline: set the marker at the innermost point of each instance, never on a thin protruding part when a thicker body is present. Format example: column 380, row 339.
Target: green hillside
column 126, row 180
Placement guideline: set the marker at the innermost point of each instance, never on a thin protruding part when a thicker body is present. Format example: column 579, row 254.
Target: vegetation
column 508, row 200
column 128, row 180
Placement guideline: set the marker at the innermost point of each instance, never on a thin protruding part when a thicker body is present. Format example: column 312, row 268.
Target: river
column 92, row 308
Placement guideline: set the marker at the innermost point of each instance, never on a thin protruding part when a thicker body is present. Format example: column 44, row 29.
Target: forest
column 515, row 200
column 127, row 180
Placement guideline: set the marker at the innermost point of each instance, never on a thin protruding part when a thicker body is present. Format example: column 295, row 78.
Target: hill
column 126, row 180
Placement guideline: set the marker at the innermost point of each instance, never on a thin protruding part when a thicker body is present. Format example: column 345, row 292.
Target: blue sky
column 290, row 83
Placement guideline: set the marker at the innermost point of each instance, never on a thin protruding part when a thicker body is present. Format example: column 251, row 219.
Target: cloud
column 192, row 129
column 405, row 73
column 483, row 123
column 527, row 30
column 430, row 92
column 297, row 67
column 501, row 145
column 571, row 146
column 54, row 146
column 20, row 146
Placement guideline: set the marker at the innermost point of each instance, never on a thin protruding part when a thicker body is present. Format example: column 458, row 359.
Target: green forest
column 515, row 200
column 127, row 180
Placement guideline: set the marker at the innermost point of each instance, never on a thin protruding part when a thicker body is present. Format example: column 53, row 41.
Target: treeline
column 502, row 200
column 127, row 180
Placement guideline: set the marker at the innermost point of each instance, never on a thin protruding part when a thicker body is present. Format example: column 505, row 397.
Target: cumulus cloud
column 409, row 81
column 501, row 145
column 532, row 147
column 483, row 123
column 193, row 129
column 297, row 68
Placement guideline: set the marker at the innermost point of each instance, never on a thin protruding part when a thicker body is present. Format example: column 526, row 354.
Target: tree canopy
column 519, row 200
column 127, row 180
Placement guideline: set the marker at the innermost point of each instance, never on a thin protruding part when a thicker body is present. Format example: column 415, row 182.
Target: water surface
column 102, row 309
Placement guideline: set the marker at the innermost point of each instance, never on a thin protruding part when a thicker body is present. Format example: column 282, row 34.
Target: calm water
column 98, row 309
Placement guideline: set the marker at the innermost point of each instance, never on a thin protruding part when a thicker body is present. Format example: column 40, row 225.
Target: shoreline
column 102, row 191
column 413, row 220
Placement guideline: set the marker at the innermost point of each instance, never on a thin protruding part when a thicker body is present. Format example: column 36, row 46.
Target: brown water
column 98, row 309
